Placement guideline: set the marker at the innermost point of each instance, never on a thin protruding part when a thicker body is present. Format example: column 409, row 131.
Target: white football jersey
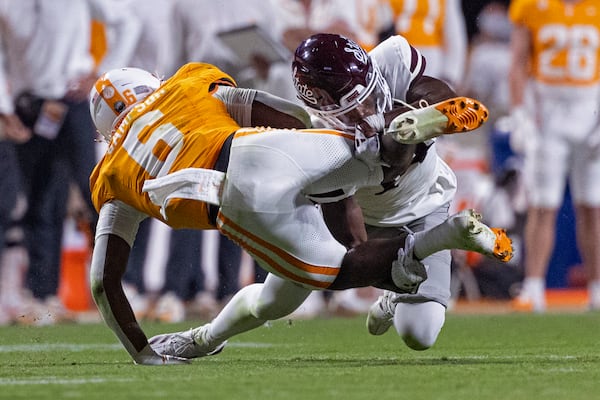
column 399, row 63
column 427, row 185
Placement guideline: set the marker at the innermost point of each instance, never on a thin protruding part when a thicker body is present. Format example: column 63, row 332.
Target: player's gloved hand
column 523, row 130
column 149, row 357
column 408, row 276
column 407, row 272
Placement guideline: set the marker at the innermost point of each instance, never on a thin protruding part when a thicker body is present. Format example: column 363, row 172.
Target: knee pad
column 419, row 324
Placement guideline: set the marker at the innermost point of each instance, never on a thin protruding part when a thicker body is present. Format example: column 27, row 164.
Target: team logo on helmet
column 304, row 92
column 108, row 92
column 357, row 51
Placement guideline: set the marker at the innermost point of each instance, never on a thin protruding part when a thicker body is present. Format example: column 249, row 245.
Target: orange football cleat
column 459, row 114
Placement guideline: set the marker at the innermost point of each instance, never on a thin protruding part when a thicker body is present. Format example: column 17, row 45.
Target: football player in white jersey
column 556, row 52
column 328, row 69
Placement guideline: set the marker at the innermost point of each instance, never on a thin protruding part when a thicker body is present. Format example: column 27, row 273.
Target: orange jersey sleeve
column 420, row 22
column 565, row 39
column 181, row 125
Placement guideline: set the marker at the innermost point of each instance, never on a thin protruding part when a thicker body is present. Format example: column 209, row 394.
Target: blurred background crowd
column 51, row 52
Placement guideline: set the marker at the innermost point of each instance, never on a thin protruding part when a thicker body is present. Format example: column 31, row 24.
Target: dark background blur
column 471, row 8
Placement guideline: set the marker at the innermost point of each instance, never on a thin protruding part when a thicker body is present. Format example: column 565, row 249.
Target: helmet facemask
column 359, row 106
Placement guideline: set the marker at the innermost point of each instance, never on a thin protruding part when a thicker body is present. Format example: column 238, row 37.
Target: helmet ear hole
column 116, row 92
column 119, row 107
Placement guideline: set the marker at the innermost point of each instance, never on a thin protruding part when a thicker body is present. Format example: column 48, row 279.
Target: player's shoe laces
column 459, row 114
column 184, row 344
column 381, row 314
column 469, row 233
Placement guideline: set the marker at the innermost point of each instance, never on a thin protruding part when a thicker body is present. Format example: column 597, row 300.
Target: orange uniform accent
column 565, row 39
column 180, row 125
column 98, row 42
column 420, row 22
column 241, row 235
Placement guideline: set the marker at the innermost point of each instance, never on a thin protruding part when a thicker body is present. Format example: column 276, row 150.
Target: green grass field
column 555, row 356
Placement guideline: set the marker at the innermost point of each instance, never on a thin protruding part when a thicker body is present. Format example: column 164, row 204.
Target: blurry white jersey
column 489, row 63
column 156, row 50
column 426, row 185
column 44, row 45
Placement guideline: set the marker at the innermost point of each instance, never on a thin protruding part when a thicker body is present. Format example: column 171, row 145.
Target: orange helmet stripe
column 110, row 94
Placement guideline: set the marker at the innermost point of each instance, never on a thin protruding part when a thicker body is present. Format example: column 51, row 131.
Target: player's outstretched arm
column 116, row 230
column 251, row 107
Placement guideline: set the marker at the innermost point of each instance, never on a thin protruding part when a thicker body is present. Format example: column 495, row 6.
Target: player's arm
column 277, row 112
column 522, row 124
column 423, row 87
column 520, row 44
column 115, row 233
column 345, row 221
column 250, row 107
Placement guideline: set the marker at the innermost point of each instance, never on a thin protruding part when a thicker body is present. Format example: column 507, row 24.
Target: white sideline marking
column 255, row 345
column 36, row 347
column 537, row 356
column 54, row 381
column 57, row 347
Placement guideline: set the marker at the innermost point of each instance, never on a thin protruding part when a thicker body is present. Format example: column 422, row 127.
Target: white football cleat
column 459, row 114
column 183, row 345
column 467, row 232
column 381, row 314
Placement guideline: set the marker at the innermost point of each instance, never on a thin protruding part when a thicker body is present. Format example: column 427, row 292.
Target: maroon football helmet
column 338, row 81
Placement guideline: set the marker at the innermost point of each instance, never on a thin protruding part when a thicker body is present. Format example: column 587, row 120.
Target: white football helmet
column 115, row 93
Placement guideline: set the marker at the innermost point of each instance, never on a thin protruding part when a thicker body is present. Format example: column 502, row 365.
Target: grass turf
column 554, row 356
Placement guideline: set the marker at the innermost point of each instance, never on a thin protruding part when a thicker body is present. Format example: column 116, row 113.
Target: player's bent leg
column 386, row 263
column 249, row 308
column 278, row 298
column 419, row 324
column 464, row 231
column 459, row 114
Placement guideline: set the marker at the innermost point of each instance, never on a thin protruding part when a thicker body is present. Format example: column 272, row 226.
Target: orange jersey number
column 568, row 53
column 420, row 22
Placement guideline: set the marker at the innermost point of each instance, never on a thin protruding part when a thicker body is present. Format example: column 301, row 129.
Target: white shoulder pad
column 399, row 63
column 238, row 102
